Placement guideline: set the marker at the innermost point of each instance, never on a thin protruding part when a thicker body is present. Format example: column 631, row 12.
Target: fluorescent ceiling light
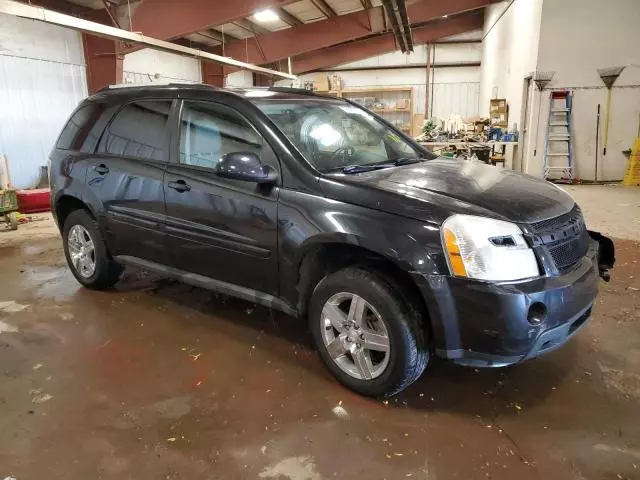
column 265, row 16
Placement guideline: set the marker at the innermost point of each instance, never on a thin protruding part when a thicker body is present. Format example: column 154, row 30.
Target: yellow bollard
column 632, row 176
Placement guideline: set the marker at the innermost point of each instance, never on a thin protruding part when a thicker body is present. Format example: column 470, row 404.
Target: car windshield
column 335, row 136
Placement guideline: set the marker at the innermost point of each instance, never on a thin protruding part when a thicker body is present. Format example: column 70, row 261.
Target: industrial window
column 139, row 130
column 209, row 131
column 78, row 133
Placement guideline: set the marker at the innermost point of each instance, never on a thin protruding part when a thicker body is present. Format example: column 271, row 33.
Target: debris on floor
column 38, row 396
column 123, row 397
column 6, row 328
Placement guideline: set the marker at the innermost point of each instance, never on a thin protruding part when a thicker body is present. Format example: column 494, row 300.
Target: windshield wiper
column 398, row 162
column 407, row 161
column 362, row 168
column 351, row 169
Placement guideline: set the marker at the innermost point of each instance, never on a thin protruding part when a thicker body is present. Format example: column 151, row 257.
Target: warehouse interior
column 158, row 379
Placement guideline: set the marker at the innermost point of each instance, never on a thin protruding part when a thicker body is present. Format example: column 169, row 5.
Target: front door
column 218, row 227
column 125, row 176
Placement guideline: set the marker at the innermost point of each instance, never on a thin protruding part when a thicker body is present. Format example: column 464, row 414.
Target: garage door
column 42, row 79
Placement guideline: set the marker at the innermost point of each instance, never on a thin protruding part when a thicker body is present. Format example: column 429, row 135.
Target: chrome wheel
column 82, row 251
column 355, row 336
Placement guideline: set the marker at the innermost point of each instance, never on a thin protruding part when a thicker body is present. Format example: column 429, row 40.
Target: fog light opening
column 537, row 313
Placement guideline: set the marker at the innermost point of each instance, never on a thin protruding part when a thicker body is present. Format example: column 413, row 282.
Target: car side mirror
column 245, row 166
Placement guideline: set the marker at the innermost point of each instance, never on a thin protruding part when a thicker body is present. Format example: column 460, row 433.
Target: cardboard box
column 417, row 124
column 321, row 83
column 402, row 104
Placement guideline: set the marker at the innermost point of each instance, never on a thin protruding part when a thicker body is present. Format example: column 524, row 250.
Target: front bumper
column 486, row 324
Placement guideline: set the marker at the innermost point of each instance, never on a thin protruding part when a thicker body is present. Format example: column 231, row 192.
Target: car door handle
column 101, row 169
column 179, row 186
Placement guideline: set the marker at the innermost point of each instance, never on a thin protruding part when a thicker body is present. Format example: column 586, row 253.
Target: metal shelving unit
column 401, row 117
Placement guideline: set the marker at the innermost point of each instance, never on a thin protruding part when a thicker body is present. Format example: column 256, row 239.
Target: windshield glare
column 332, row 134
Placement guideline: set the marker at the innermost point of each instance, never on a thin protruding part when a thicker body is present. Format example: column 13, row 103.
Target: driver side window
column 208, row 131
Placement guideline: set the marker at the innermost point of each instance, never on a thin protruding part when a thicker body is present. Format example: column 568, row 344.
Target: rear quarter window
column 80, row 134
column 138, row 130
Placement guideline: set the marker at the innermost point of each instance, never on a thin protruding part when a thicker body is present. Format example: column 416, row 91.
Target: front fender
column 306, row 221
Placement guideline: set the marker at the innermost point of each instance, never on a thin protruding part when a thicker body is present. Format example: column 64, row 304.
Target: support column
column 212, row 73
column 260, row 80
column 102, row 56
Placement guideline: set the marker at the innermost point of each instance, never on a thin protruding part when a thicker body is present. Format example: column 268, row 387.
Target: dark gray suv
column 319, row 208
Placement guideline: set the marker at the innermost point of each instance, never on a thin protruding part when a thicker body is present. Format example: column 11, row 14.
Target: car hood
column 445, row 186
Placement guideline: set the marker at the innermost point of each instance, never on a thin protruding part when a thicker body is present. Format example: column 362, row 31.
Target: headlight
column 487, row 249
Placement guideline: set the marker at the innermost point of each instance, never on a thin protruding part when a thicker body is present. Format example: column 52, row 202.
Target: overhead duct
column 398, row 32
column 404, row 24
column 22, row 10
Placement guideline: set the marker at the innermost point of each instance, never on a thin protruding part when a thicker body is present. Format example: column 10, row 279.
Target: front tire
column 86, row 252
column 366, row 334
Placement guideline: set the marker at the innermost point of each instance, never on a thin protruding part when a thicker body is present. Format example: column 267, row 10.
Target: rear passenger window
column 209, row 131
column 78, row 133
column 138, row 130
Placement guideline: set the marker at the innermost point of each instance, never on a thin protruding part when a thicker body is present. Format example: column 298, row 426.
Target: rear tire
column 360, row 356
column 87, row 254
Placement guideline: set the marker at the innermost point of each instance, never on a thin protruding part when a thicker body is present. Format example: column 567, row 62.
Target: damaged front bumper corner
column 606, row 254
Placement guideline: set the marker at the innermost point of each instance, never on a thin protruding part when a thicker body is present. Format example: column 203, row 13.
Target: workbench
column 509, row 150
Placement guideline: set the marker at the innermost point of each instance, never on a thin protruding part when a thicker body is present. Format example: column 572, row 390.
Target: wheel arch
column 66, row 204
column 331, row 253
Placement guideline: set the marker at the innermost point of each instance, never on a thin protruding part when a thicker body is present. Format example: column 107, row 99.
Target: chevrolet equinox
column 317, row 207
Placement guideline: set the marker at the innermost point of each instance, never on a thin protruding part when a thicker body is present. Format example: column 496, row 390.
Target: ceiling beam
column 185, row 42
column 169, row 19
column 218, row 36
column 428, row 10
column 325, row 8
column 111, row 11
column 288, row 18
column 251, row 27
column 61, row 6
column 404, row 67
column 22, row 10
column 384, row 43
column 319, row 35
column 287, row 42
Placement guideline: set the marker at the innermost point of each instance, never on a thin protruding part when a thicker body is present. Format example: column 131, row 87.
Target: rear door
column 126, row 175
column 218, row 227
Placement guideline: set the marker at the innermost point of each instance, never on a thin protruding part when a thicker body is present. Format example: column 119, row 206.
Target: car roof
column 248, row 93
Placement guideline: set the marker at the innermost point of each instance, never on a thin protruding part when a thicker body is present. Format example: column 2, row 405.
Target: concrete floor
column 160, row 380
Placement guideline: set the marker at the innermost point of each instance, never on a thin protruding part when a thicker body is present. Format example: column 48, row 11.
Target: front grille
column 565, row 237
column 574, row 216
column 567, row 254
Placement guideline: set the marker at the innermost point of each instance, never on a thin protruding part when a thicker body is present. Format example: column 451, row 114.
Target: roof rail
column 301, row 91
column 172, row 83
column 304, row 91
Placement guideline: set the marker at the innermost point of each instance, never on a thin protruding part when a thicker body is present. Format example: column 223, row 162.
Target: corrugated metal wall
column 239, row 79
column 154, row 66
column 42, row 79
column 459, row 98
column 456, row 89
